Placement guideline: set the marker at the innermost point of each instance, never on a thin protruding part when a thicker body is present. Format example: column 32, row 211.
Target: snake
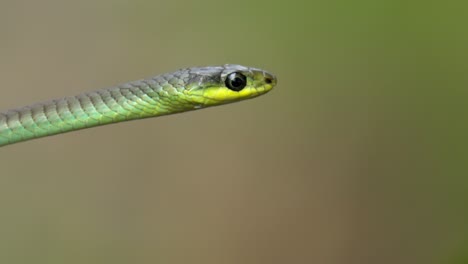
column 170, row 93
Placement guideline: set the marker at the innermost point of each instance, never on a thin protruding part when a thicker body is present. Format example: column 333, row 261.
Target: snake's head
column 225, row 84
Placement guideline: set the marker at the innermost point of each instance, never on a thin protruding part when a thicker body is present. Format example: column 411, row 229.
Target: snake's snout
column 269, row 78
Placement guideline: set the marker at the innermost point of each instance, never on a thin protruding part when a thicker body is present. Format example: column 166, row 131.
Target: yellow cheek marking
column 221, row 95
column 224, row 94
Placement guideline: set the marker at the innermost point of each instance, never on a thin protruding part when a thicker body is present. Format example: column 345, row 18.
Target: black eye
column 236, row 81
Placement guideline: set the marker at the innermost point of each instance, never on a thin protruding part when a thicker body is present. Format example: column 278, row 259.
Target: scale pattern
column 161, row 95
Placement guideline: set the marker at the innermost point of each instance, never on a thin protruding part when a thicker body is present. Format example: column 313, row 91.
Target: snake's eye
column 236, row 81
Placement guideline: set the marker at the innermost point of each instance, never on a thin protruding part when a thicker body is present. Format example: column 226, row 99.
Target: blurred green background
column 359, row 155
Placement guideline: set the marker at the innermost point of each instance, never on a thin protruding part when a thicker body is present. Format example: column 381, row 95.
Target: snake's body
column 180, row 91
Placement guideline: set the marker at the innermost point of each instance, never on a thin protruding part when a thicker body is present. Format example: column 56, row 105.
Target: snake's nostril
column 268, row 80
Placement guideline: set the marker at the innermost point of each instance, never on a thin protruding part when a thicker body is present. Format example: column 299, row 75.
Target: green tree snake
column 179, row 91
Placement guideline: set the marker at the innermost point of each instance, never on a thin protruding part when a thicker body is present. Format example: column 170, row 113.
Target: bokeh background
column 359, row 155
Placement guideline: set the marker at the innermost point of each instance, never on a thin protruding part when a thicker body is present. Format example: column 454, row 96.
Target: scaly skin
column 180, row 91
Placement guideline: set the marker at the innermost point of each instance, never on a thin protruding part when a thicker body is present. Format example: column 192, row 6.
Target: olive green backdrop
column 359, row 155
